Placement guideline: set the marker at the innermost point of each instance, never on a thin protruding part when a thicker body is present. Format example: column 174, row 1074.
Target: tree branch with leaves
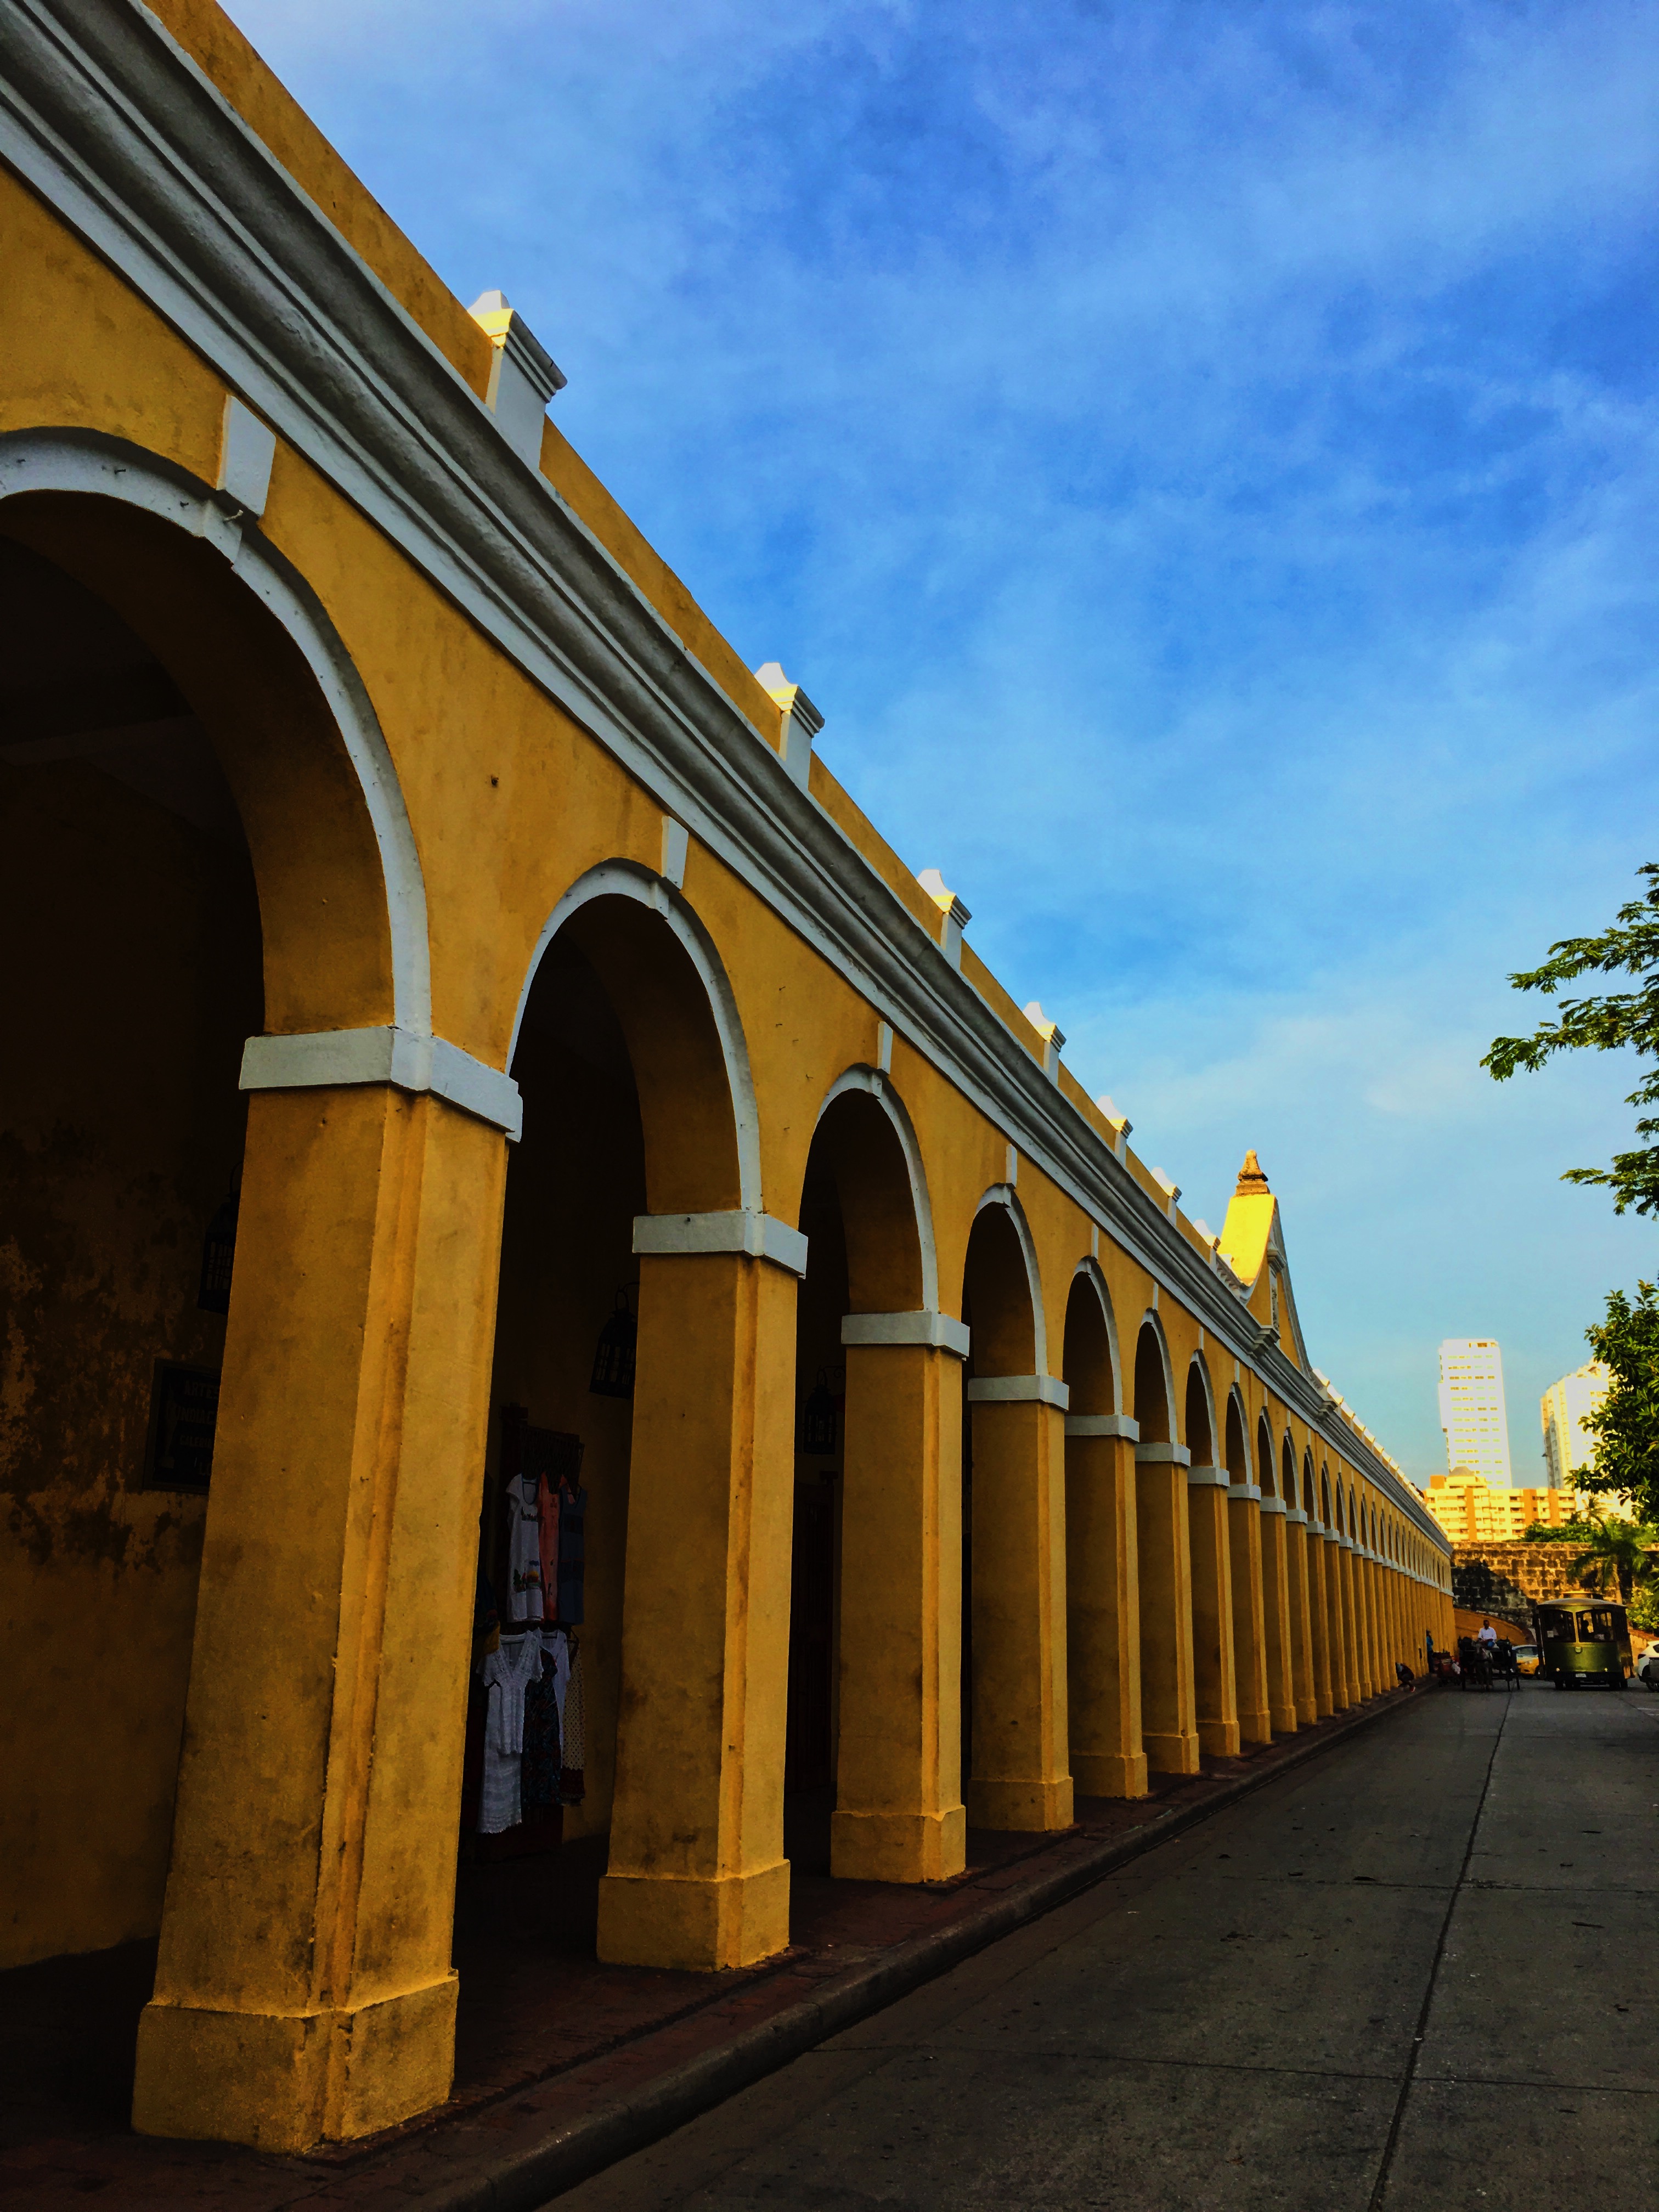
column 1604, row 1022
column 1614, row 1558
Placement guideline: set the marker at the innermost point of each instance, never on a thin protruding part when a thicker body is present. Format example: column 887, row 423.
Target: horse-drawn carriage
column 1482, row 1666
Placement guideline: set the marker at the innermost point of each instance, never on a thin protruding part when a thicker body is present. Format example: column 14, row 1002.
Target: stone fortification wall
column 1503, row 1575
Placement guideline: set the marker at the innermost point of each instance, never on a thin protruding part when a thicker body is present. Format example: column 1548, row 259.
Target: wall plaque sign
column 183, row 1407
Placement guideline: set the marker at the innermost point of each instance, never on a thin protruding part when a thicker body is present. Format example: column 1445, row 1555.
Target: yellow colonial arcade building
column 545, row 1282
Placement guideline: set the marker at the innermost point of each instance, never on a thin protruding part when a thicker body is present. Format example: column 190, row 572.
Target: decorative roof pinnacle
column 1252, row 1181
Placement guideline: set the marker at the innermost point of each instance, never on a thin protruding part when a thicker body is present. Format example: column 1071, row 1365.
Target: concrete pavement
column 1420, row 1972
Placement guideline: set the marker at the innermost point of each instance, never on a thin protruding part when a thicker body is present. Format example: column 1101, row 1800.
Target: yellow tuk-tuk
column 1586, row 1642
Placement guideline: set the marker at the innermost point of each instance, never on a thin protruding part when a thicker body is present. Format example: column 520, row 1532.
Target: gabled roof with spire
column 1253, row 1245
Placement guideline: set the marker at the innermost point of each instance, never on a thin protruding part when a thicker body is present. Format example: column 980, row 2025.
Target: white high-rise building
column 1471, row 1407
column 1567, row 1445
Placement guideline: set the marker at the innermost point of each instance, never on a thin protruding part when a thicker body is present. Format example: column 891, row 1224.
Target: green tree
column 1604, row 1023
column 1614, row 1557
column 1625, row 1424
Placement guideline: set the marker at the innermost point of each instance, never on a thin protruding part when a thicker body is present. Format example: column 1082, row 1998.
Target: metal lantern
column 218, row 1258
column 613, row 1360
column 817, row 1419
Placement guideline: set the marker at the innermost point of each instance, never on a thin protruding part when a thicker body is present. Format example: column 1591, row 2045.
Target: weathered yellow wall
column 131, row 979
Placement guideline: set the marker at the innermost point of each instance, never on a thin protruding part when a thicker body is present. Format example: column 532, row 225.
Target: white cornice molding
column 1104, row 1425
column 935, row 1331
column 322, row 1059
column 110, row 121
column 741, row 1229
column 1018, row 1390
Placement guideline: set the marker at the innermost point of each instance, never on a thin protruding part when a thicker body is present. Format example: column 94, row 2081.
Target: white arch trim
column 91, row 464
column 1090, row 1271
column 1199, row 1361
column 872, row 1083
column 1149, row 1320
column 1003, row 1194
column 628, row 879
column 1300, row 1466
column 1252, row 1474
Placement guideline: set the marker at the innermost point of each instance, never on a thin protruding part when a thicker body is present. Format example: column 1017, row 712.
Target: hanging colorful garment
column 524, row 1548
column 506, row 1673
column 573, row 1780
column 548, row 1540
column 573, row 1555
column 539, row 1770
column 558, row 1643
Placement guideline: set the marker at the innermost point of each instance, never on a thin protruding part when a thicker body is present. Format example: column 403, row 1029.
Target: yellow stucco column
column 1335, row 1631
column 1244, row 1536
column 1319, row 1630
column 303, row 1989
column 1019, row 1732
column 1169, row 1723
column 899, row 1813
column 1382, row 1671
column 1280, row 1648
column 696, row 1876
column 1365, row 1621
column 1349, row 1620
column 1215, row 1679
column 1103, row 1613
column 1355, row 1595
column 1301, row 1630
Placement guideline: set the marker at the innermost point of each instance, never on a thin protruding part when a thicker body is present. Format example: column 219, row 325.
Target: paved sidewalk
column 1418, row 1975
column 563, row 2065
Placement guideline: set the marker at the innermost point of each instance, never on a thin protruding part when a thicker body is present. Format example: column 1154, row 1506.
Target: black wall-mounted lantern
column 614, row 1358
column 818, row 1418
column 219, row 1258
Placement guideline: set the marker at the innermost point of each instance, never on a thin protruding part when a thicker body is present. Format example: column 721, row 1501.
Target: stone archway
column 1014, row 1604
column 875, row 1634
column 1103, row 1610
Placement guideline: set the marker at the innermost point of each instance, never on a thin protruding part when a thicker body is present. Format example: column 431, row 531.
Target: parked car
column 1526, row 1658
column 1647, row 1667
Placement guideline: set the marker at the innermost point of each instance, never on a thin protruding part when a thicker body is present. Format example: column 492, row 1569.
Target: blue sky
column 1201, row 457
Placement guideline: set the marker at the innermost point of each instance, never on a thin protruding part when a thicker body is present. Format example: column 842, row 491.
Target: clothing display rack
column 526, row 1740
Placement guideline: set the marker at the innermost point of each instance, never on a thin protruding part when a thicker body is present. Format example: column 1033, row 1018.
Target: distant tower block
column 1471, row 1414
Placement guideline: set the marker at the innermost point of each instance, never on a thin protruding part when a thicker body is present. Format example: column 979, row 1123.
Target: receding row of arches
column 1012, row 1556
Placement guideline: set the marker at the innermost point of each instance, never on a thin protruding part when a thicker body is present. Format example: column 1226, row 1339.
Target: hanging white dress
column 524, row 1548
column 506, row 1673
